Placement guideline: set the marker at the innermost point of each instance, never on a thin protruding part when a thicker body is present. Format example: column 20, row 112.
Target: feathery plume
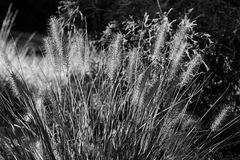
column 186, row 76
column 132, row 65
column 55, row 33
column 161, row 36
column 14, row 84
column 79, row 54
column 219, row 119
column 115, row 57
column 180, row 37
column 76, row 53
column 48, row 49
column 140, row 85
column 177, row 59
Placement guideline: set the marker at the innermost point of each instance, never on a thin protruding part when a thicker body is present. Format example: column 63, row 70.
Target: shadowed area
column 32, row 15
column 30, row 41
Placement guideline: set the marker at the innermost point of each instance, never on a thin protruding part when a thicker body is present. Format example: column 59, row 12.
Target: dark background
column 32, row 15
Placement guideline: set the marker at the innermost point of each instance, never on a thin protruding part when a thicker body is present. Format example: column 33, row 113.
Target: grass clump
column 79, row 106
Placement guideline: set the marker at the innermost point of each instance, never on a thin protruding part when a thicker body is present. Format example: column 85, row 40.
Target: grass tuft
column 77, row 106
